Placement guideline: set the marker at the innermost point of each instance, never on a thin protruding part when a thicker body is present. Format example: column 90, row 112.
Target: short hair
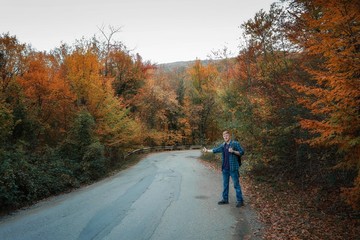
column 226, row 132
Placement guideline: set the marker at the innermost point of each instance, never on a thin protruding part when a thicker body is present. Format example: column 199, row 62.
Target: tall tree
column 330, row 31
column 129, row 73
column 158, row 109
column 83, row 71
column 48, row 96
column 12, row 55
column 203, row 108
column 259, row 103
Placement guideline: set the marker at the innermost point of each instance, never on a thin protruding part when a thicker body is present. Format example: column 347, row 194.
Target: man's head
column 226, row 136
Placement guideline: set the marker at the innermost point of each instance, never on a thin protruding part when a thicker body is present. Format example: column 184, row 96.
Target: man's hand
column 204, row 150
column 231, row 150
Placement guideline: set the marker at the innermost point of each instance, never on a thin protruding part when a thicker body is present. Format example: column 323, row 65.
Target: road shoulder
column 255, row 227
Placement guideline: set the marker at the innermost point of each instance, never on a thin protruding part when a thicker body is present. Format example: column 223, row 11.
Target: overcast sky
column 161, row 31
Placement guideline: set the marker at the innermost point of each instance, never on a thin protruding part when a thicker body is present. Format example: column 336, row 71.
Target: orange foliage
column 203, row 86
column 47, row 93
column 11, row 59
column 114, row 127
column 204, row 77
column 332, row 32
column 83, row 73
column 158, row 109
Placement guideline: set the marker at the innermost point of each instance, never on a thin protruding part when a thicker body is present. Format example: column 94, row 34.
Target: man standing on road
column 230, row 150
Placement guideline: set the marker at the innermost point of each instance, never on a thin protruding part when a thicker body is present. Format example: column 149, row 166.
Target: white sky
column 161, row 31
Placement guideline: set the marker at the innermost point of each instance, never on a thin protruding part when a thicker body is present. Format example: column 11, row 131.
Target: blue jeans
column 235, row 178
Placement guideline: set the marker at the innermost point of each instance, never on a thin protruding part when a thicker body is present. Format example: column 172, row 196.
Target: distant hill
column 175, row 65
column 179, row 65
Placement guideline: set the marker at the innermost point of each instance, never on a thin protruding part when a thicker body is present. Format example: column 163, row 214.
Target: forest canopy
column 291, row 96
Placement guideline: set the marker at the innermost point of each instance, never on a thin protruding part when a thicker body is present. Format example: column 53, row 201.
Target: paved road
column 168, row 195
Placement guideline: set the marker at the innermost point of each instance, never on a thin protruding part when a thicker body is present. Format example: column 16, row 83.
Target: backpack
column 238, row 159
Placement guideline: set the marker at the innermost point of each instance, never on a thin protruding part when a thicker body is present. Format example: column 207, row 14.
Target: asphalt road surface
column 168, row 195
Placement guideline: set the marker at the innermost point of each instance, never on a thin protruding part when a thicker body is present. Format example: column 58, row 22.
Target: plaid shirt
column 233, row 162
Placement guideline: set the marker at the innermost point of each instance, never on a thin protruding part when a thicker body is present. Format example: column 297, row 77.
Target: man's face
column 226, row 137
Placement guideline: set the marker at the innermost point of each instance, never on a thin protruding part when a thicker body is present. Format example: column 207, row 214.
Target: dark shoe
column 222, row 202
column 239, row 204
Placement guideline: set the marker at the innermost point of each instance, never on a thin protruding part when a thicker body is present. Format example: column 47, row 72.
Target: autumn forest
column 291, row 97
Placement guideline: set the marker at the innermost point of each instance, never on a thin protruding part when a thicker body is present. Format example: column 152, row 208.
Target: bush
column 8, row 186
column 17, row 180
column 25, row 179
column 93, row 161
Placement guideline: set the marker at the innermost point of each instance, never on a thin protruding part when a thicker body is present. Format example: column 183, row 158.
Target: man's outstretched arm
column 205, row 150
